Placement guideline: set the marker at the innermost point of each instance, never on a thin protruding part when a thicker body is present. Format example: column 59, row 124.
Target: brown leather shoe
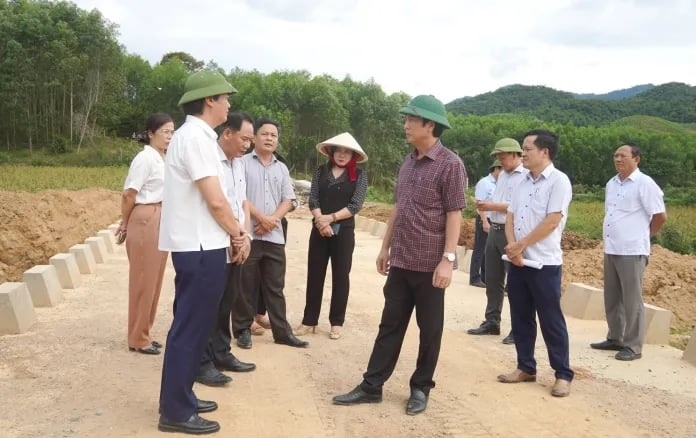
column 516, row 376
column 561, row 388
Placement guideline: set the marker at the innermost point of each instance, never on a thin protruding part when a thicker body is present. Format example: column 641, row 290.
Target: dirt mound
column 36, row 226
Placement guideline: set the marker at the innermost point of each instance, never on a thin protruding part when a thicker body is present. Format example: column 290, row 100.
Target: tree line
column 66, row 84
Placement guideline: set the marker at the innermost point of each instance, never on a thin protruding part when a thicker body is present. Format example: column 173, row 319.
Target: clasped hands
column 323, row 224
column 240, row 247
column 514, row 252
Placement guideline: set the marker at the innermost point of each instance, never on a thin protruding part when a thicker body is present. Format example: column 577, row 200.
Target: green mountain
column 673, row 101
column 617, row 94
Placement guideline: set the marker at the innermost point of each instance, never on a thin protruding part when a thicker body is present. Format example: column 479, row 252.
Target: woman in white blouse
column 141, row 205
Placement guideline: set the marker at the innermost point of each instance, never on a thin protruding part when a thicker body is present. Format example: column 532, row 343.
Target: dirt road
column 72, row 375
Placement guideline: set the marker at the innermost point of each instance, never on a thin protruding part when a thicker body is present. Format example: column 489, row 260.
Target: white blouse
column 146, row 176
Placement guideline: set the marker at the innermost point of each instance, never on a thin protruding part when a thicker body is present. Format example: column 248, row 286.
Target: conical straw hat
column 343, row 140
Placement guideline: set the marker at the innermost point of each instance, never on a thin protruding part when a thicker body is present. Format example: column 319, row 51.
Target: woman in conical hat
column 336, row 196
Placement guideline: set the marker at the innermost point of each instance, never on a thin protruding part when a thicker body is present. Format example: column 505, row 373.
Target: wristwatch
column 449, row 256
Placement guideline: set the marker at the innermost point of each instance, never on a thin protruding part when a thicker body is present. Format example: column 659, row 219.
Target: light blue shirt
column 504, row 189
column 532, row 202
column 267, row 187
column 484, row 190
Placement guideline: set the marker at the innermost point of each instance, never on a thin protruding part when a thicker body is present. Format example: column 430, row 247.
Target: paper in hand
column 529, row 263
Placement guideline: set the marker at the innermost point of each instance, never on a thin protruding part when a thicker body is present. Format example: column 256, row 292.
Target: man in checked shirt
column 417, row 255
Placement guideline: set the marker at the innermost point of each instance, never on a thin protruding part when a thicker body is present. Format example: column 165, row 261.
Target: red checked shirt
column 426, row 190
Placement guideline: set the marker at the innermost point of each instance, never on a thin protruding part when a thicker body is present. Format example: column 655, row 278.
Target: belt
column 498, row 227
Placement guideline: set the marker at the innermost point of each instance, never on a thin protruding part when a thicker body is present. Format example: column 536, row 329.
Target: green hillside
column 655, row 124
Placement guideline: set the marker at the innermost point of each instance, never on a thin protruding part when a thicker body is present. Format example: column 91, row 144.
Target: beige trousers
column 147, row 265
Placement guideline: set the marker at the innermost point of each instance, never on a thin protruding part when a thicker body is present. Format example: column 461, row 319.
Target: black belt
column 498, row 227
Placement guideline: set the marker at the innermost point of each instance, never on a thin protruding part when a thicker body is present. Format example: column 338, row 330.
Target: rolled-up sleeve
column 358, row 198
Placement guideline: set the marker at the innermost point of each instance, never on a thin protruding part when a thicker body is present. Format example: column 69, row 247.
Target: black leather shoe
column 202, row 406
column 607, row 345
column 627, row 354
column 486, row 328
column 478, row 284
column 244, row 339
column 417, row 402
column 195, row 425
column 509, row 339
column 357, row 396
column 231, row 363
column 292, row 341
column 212, row 377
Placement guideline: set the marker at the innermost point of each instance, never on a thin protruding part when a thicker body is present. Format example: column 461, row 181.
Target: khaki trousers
column 146, row 271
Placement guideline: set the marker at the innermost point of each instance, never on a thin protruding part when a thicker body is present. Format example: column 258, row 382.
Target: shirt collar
column 546, row 173
column 221, row 155
column 432, row 153
column 256, row 156
column 210, row 132
column 633, row 176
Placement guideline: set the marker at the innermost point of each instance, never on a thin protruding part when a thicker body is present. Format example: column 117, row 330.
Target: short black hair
column 545, row 140
column 635, row 150
column 234, row 122
column 258, row 123
column 437, row 130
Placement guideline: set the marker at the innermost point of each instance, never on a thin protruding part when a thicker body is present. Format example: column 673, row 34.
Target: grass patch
column 37, row 178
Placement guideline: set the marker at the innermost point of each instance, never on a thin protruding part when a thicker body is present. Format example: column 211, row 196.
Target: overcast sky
column 449, row 48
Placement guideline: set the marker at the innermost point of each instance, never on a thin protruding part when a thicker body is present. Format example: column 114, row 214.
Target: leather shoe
column 212, row 377
column 244, row 339
column 606, row 345
column 517, row 376
column 627, row 354
column 478, row 284
column 202, row 406
column 357, row 396
column 417, row 402
column 231, row 363
column 486, row 328
column 292, row 341
column 509, row 339
column 195, row 425
column 561, row 388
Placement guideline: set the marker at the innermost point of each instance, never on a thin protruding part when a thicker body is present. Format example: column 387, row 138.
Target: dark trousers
column 198, row 286
column 403, row 291
column 495, row 275
column 221, row 337
column 477, row 269
column 339, row 249
column 260, row 306
column 538, row 292
column 263, row 271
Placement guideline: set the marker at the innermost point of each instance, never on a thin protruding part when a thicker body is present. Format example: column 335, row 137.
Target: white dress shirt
column 504, row 189
column 146, row 176
column 629, row 206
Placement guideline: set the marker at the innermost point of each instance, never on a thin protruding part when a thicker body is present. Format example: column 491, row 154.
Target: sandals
column 148, row 350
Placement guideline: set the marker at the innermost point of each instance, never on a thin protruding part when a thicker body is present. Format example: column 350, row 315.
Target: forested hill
column 673, row 101
column 617, row 94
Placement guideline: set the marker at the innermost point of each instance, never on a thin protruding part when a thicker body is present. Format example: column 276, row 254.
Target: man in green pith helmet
column 197, row 225
column 418, row 255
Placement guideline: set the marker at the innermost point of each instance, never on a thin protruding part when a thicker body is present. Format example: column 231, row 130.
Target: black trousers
column 219, row 341
column 198, row 286
column 263, row 271
column 477, row 269
column 403, row 291
column 339, row 249
column 260, row 307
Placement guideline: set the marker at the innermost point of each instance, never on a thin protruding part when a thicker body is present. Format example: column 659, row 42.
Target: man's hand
column 486, row 226
column 383, row 262
column 266, row 224
column 442, row 277
column 242, row 246
column 517, row 261
column 483, row 206
column 514, row 250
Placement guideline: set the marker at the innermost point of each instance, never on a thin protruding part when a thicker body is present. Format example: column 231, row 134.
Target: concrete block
column 17, row 313
column 657, row 323
column 690, row 352
column 584, row 302
column 109, row 240
column 379, row 229
column 113, row 227
column 359, row 221
column 84, row 258
column 367, row 226
column 461, row 254
column 43, row 285
column 67, row 270
column 98, row 248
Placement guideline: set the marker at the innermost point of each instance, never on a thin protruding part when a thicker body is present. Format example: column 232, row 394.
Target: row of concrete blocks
column 43, row 285
column 586, row 302
column 579, row 300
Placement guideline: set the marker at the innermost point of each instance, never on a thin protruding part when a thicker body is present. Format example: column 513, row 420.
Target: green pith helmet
column 506, row 145
column 427, row 107
column 205, row 83
column 495, row 164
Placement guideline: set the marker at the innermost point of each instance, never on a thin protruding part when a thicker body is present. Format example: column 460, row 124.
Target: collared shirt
column 146, row 176
column 267, row 187
column 186, row 223
column 235, row 184
column 426, row 190
column 504, row 189
column 484, row 190
column 533, row 201
column 628, row 209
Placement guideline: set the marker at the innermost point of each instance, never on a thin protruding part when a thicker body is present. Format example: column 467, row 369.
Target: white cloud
column 449, row 48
